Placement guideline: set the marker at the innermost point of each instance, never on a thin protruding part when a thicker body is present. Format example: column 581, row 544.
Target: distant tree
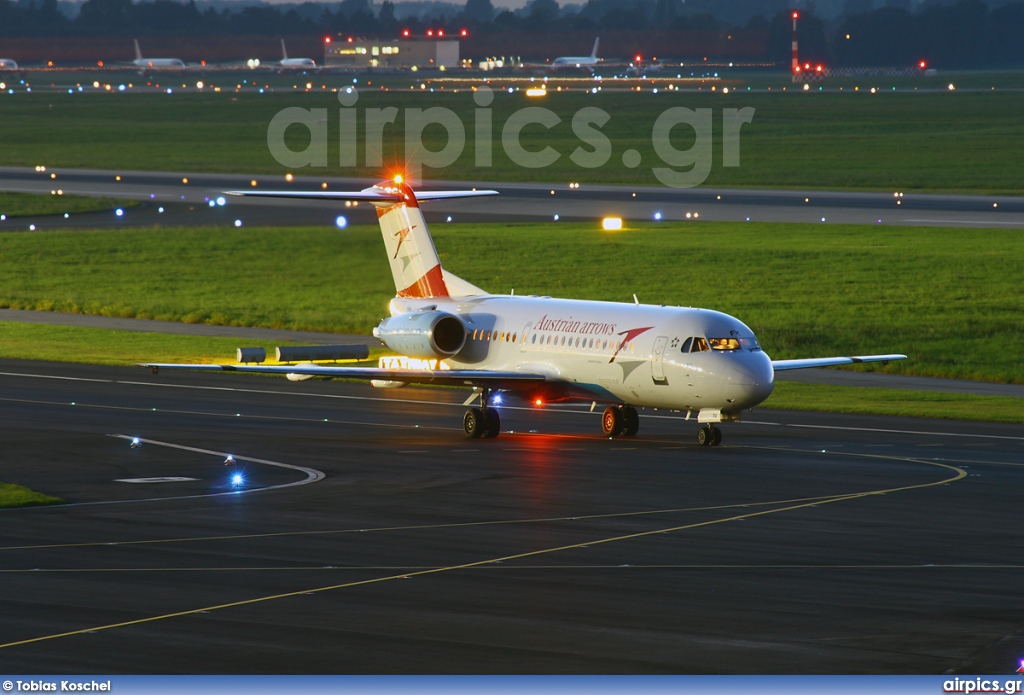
column 386, row 17
column 480, row 10
column 540, row 13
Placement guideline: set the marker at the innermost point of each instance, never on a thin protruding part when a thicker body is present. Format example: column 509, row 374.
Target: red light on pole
column 922, row 65
column 464, row 32
column 637, row 58
column 796, row 15
column 405, row 32
column 440, row 32
column 350, row 39
column 327, row 39
column 430, row 32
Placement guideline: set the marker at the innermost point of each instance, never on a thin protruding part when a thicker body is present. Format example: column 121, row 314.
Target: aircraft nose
column 756, row 379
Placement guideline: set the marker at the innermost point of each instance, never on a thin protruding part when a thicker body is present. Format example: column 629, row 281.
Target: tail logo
column 402, row 234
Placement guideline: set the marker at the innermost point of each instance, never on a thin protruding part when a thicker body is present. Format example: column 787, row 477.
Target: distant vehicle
column 147, row 64
column 702, row 362
column 576, row 62
column 8, row 64
column 294, row 63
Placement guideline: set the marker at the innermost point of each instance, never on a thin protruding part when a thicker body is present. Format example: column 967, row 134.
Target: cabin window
column 513, row 337
column 534, row 339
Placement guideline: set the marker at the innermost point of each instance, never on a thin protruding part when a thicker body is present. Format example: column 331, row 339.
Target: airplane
column 294, row 63
column 575, row 62
column 542, row 349
column 146, row 64
column 8, row 64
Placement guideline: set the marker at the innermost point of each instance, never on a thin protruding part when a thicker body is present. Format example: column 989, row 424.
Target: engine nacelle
column 423, row 334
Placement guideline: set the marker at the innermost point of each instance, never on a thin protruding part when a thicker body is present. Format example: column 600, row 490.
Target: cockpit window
column 699, row 345
column 750, row 344
column 686, row 345
column 724, row 343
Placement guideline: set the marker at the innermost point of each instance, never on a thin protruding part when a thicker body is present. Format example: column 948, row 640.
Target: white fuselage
column 298, row 63
column 568, row 62
column 159, row 63
column 8, row 64
column 612, row 351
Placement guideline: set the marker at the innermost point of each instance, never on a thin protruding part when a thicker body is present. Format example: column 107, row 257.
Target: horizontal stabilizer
column 786, row 365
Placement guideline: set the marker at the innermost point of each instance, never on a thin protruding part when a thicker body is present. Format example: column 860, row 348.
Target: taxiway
column 807, row 543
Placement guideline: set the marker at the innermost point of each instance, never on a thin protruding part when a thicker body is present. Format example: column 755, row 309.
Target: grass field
column 952, row 304
column 12, row 495
column 30, row 204
column 938, row 141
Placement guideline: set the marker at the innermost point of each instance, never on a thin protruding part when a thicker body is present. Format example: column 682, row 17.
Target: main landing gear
column 482, row 422
column 709, row 435
column 620, row 421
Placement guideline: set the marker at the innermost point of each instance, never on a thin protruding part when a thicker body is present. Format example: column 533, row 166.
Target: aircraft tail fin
column 593, row 53
column 415, row 265
column 138, row 53
column 284, row 51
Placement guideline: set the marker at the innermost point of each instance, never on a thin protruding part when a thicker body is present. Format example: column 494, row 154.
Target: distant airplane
column 147, row 64
column 639, row 68
column 295, row 63
column 575, row 62
column 8, row 64
column 625, row 355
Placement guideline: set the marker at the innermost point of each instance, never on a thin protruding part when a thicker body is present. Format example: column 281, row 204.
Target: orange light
column 100, row 63
column 538, row 402
column 398, row 178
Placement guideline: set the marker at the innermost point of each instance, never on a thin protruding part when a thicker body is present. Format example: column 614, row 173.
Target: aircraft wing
column 454, row 377
column 362, row 195
column 786, row 365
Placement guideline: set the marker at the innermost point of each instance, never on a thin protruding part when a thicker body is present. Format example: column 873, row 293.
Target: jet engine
column 428, row 334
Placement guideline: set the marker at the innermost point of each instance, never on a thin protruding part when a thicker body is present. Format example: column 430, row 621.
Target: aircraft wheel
column 631, row 421
column 705, row 436
column 611, row 422
column 492, row 423
column 473, row 423
column 716, row 436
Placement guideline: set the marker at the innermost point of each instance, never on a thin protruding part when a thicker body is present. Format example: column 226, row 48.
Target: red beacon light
column 538, row 402
column 440, row 32
column 350, row 39
column 405, row 33
column 327, row 39
column 922, row 65
column 796, row 15
column 464, row 32
column 430, row 32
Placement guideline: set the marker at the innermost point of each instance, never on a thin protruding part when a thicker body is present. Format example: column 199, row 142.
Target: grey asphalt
column 189, row 203
column 806, row 543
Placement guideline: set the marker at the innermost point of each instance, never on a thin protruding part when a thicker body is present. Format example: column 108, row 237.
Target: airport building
column 350, row 52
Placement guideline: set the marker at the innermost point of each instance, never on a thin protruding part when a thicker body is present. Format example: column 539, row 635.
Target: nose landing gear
column 620, row 421
column 709, row 435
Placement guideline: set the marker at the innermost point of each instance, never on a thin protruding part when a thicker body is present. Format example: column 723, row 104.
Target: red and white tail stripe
column 415, row 266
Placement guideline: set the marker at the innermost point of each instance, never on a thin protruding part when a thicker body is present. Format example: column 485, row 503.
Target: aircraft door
column 526, row 334
column 657, row 360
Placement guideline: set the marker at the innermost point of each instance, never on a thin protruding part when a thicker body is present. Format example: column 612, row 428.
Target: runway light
column 496, row 399
column 288, row 178
column 237, row 479
column 136, row 442
column 611, row 224
column 951, row 87
column 556, row 218
column 238, row 223
column 213, row 203
column 160, row 209
column 657, row 217
column 119, row 212
column 221, row 201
